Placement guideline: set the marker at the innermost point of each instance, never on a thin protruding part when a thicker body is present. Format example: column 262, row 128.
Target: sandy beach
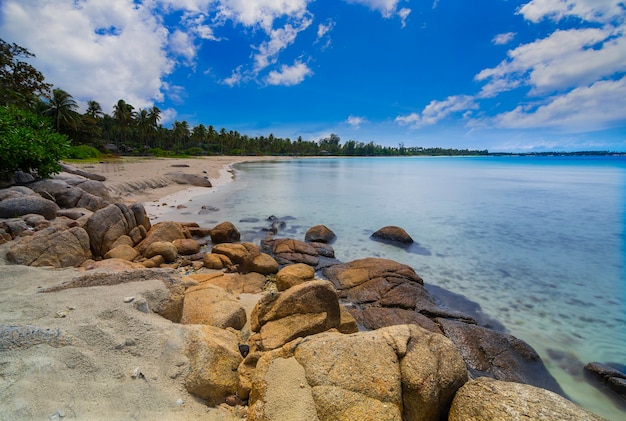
column 90, row 341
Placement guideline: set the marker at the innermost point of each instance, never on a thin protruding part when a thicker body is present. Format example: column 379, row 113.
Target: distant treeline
column 577, row 153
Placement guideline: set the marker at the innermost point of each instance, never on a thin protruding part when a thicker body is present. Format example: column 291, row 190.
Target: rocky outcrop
column 498, row 355
column 106, row 225
column 73, row 170
column 486, row 399
column 28, row 204
column 68, row 196
column 400, row 372
column 211, row 305
column 246, row 256
column 303, row 310
column 393, row 235
column 287, row 251
column 234, row 283
column 214, row 357
column 167, row 231
column 319, row 234
column 225, row 232
column 385, row 293
column 608, row 376
column 52, row 247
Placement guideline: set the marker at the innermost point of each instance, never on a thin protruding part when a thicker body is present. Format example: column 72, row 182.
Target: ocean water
column 538, row 242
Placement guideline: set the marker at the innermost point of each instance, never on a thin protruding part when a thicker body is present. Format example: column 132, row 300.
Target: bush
column 83, row 152
column 29, row 143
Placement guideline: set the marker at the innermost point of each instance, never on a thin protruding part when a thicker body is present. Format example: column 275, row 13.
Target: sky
column 502, row 75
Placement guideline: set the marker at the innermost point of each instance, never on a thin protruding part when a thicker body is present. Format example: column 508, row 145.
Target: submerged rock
column 393, row 235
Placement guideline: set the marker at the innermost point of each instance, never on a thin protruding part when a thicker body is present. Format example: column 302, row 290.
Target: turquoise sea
column 538, row 242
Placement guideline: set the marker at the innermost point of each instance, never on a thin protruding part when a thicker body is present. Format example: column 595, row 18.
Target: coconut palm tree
column 124, row 114
column 61, row 107
column 94, row 110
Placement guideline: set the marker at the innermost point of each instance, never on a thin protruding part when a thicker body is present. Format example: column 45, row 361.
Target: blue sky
column 503, row 75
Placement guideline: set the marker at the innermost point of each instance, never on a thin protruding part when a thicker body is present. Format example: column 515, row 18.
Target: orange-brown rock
column 293, row 275
column 186, row 246
column 163, row 248
column 211, row 305
column 225, row 232
column 123, row 251
column 52, row 247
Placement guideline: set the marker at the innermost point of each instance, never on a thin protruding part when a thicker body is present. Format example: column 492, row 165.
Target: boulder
column 211, row 305
column 216, row 261
column 394, row 373
column 23, row 205
column 486, row 399
column 67, row 196
column 52, row 247
column 141, row 216
column 225, row 232
column 95, row 187
column 263, row 264
column 213, row 357
column 376, row 317
column 186, row 246
column 191, row 179
column 234, row 283
column 163, row 248
column 123, row 251
column 372, row 280
column 498, row 355
column 16, row 191
column 393, row 235
column 347, row 323
column 163, row 231
column 287, row 251
column 106, row 225
column 303, row 310
column 319, row 234
column 293, row 275
column 611, row 377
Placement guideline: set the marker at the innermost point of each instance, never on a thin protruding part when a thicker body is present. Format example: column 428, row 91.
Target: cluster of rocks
column 366, row 341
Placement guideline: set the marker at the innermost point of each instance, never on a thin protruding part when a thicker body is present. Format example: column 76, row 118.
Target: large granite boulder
column 26, row 204
column 106, row 225
column 163, row 231
column 66, row 195
column 287, row 251
column 162, row 248
column 303, row 310
column 247, row 256
column 393, row 235
column 213, row 357
column 498, row 355
column 394, row 373
column 609, row 376
column 211, row 305
column 235, row 283
column 187, row 246
column 293, row 275
column 319, row 234
column 486, row 399
column 16, row 191
column 52, row 247
column 225, row 232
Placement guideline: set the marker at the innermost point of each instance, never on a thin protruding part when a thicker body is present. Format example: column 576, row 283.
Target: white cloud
column 563, row 60
column 437, row 111
column 235, row 78
column 603, row 11
column 182, row 44
column 261, row 12
column 595, row 107
column 387, row 8
column 91, row 49
column 279, row 40
column 355, row 121
column 505, row 38
column 289, row 75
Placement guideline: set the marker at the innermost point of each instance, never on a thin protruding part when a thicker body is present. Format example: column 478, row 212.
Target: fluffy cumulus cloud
column 571, row 79
column 92, row 49
column 438, row 110
column 289, row 75
column 588, row 108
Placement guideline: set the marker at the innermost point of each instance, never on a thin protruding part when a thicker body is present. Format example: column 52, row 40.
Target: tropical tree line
column 125, row 129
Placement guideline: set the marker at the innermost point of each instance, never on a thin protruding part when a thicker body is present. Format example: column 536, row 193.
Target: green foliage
column 29, row 143
column 159, row 152
column 195, row 151
column 20, row 83
column 83, row 152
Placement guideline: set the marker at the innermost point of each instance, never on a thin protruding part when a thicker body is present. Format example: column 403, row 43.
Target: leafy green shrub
column 83, row 152
column 158, row 152
column 29, row 143
column 195, row 151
